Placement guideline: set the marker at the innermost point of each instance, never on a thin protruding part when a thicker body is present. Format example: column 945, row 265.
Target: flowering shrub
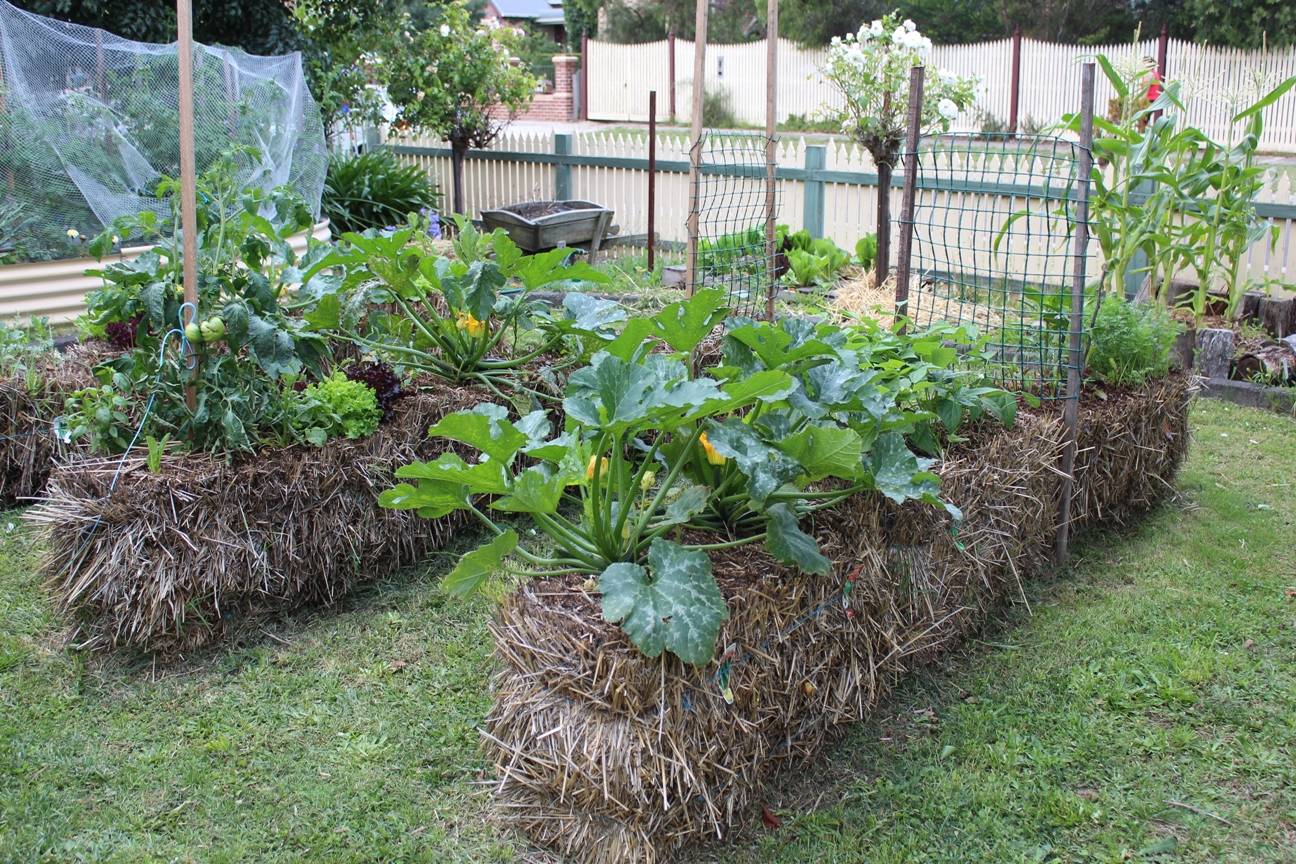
column 871, row 69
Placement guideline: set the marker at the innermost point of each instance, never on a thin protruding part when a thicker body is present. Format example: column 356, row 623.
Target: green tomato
column 213, row 329
column 193, row 332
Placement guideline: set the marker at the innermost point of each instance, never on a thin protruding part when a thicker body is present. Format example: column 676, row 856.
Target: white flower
column 947, row 109
column 445, row 31
column 909, row 25
column 73, row 233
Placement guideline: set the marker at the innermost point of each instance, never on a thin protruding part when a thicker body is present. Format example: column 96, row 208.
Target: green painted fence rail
column 814, row 175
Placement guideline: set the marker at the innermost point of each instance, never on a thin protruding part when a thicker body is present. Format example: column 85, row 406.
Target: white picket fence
column 520, row 167
column 1216, row 81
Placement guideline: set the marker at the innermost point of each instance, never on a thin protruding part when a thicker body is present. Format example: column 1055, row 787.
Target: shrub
column 717, row 110
column 808, row 123
column 373, row 190
column 1130, row 342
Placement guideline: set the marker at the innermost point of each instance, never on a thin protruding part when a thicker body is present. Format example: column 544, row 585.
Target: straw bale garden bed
column 606, row 756
column 312, row 380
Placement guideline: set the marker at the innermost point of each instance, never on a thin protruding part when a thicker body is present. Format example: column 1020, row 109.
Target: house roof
column 532, row 10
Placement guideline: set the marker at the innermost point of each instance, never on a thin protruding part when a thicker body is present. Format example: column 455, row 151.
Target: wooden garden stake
column 652, row 180
column 1075, row 352
column 913, row 134
column 771, row 147
column 188, row 180
column 695, row 152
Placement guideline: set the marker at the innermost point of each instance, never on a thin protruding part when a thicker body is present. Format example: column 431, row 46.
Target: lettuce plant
column 657, row 465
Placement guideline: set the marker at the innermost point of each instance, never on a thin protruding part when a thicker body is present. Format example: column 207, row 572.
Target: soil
column 540, row 209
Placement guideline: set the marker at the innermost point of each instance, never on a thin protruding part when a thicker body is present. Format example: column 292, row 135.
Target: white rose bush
column 870, row 69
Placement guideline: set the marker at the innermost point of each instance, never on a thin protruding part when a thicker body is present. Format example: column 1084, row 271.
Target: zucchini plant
column 657, row 466
column 470, row 319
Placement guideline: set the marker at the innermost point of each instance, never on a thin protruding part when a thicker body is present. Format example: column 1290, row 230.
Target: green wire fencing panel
column 994, row 247
column 731, row 202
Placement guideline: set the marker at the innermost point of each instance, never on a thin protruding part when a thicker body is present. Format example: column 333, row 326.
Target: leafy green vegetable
column 335, row 406
column 659, row 466
column 672, row 605
column 1130, row 342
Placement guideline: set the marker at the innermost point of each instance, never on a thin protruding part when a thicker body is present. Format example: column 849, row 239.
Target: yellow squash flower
column 712, row 455
column 589, row 469
column 471, row 325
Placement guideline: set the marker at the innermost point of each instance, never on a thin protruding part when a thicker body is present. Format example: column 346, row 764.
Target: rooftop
column 540, row 11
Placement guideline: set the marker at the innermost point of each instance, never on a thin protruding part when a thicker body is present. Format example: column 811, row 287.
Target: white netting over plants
column 89, row 124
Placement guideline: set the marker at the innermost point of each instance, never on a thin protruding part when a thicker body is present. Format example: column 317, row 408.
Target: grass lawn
column 1145, row 710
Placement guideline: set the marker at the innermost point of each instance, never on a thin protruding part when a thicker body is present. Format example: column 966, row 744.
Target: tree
column 256, row 26
column 1243, row 23
column 816, row 22
column 871, row 70
column 457, row 80
column 338, row 36
column 1089, row 22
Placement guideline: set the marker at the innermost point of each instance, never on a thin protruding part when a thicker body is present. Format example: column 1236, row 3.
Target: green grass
column 1145, row 711
column 1156, row 677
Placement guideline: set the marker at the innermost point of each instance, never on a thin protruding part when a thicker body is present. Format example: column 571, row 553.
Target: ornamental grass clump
column 657, row 465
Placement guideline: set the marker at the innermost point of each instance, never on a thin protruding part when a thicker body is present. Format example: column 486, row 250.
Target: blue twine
column 190, row 360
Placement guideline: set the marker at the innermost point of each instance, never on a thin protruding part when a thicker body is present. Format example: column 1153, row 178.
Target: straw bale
column 166, row 561
column 606, row 756
column 29, row 402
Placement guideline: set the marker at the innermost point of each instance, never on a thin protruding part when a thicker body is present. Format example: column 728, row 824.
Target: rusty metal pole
column 652, row 180
column 1163, row 49
column 913, row 135
column 695, row 151
column 771, row 150
column 188, row 179
column 1014, row 88
column 1075, row 342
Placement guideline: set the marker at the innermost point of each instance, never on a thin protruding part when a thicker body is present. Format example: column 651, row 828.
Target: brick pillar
column 564, row 75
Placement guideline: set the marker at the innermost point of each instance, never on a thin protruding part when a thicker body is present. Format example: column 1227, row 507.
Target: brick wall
column 560, row 105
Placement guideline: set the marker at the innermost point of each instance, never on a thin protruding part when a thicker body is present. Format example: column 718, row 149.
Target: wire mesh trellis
column 993, row 246
column 731, row 252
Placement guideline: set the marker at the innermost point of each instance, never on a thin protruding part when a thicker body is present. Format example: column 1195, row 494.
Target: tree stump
column 1273, row 363
column 1252, row 306
column 1279, row 314
column 1214, row 352
column 1181, row 354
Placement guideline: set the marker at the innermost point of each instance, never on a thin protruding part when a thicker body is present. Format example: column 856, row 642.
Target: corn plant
column 1167, row 198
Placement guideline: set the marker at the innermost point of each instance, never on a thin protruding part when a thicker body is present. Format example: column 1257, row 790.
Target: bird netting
column 993, row 246
column 89, row 123
column 731, row 202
